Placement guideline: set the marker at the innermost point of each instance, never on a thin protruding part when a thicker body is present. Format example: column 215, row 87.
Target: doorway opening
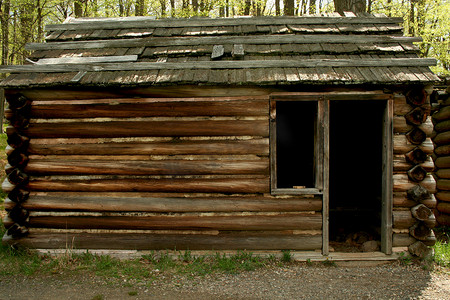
column 356, row 180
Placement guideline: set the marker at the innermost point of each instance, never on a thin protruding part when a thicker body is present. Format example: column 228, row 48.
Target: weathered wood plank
column 119, row 108
column 174, row 23
column 194, row 185
column 402, row 183
column 148, row 128
column 158, row 167
column 402, row 240
column 403, row 219
column 403, row 146
column 100, row 203
column 142, row 241
column 208, row 65
column 87, row 60
column 401, row 165
column 179, row 147
column 292, row 221
column 401, row 126
column 401, row 200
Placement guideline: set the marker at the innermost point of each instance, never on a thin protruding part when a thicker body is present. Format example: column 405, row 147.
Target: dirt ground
column 294, row 281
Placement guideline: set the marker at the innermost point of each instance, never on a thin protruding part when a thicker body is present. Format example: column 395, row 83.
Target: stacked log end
column 18, row 115
column 441, row 139
column 414, row 185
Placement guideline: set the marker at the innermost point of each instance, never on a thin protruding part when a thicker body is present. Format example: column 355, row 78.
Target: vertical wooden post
column 386, row 208
column 2, row 108
column 324, row 105
column 273, row 144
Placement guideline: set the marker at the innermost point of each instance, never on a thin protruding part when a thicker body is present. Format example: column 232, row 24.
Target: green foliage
column 286, row 256
column 442, row 247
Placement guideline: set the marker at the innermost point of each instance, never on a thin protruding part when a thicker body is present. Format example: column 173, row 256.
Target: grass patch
column 442, row 247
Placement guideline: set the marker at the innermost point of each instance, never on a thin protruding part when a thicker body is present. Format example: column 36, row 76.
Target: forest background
column 23, row 21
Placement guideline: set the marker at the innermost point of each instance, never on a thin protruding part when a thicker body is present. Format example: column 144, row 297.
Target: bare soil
column 292, row 281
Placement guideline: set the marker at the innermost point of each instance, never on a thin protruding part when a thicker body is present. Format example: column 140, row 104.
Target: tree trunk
column 289, row 7
column 349, row 5
column 78, row 9
column 277, row 7
column 4, row 20
column 139, row 7
column 163, row 7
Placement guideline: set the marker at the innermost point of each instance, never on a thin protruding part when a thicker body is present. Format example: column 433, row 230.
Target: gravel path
column 295, row 281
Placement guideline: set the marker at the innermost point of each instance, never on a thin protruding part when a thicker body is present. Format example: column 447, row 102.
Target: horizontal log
column 443, row 150
column 402, row 240
column 111, row 23
column 180, row 147
column 17, row 140
column 223, row 241
column 134, row 204
column 444, row 207
column 443, row 196
column 443, row 219
column 443, row 184
column 158, row 167
column 7, row 222
column 443, row 162
column 401, row 126
column 195, row 185
column 124, row 108
column 401, row 200
column 401, row 165
column 297, row 221
column 431, row 221
column 402, row 145
column 403, row 219
column 430, row 240
column 149, row 128
column 442, row 114
column 442, row 126
column 443, row 173
column 402, row 183
column 442, row 138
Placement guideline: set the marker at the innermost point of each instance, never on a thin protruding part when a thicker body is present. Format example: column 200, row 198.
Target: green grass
column 442, row 247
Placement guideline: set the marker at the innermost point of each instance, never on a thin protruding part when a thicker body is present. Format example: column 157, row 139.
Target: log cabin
column 272, row 133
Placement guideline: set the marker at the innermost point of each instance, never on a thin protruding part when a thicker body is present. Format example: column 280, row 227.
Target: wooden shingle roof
column 263, row 51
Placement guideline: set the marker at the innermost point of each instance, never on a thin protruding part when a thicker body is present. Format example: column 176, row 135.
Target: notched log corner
column 418, row 193
column 417, row 173
column 420, row 231
column 416, row 156
column 16, row 231
column 419, row 249
column 416, row 97
column 19, row 215
column 416, row 136
column 421, row 212
column 17, row 140
column 18, row 101
column 416, row 116
column 18, row 195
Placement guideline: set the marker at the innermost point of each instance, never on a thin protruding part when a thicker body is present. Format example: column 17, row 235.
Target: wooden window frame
column 322, row 165
column 318, row 148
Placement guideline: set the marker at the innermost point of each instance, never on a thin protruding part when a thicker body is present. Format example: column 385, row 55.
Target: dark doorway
column 355, row 190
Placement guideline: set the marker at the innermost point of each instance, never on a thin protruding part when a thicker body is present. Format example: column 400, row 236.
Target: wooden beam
column 194, row 185
column 86, row 60
column 387, row 182
column 143, row 241
column 202, row 65
column 112, row 23
column 148, row 128
column 139, row 167
column 103, row 203
column 215, row 40
column 291, row 221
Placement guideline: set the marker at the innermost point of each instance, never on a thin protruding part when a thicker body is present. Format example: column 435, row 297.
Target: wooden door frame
column 387, row 154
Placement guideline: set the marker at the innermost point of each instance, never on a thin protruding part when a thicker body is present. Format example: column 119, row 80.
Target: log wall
column 414, row 185
column 441, row 138
column 148, row 173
